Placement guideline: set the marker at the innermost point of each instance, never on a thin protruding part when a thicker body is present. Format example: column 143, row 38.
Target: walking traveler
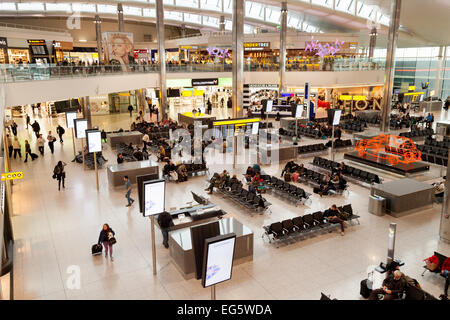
column 128, row 188
column 107, row 238
column 17, row 148
column 59, row 174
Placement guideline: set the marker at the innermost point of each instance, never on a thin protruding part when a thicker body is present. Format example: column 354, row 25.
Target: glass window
column 293, row 21
column 8, row 6
column 383, row 19
column 149, row 12
column 254, row 10
column 211, row 21
column 173, row 15
column 365, row 11
column 58, row 7
column 132, row 11
column 193, row 18
column 215, row 5
column 187, row 3
column 228, row 6
column 30, row 6
column 248, row 29
column 228, row 25
column 424, row 52
column 273, row 15
column 104, row 8
column 323, row 3
column 83, row 7
column 347, row 6
column 168, row 2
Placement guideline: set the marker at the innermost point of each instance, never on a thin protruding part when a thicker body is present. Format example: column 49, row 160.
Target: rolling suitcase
column 33, row 156
column 96, row 249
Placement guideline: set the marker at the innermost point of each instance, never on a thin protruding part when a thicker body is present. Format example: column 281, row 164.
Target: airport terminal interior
column 281, row 150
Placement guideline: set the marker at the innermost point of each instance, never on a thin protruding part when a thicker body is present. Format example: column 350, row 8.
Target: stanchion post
column 96, row 170
column 332, row 144
column 82, row 153
column 73, row 142
column 213, row 292
column 152, row 226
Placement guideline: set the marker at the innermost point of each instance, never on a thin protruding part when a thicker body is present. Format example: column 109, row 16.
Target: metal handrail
column 27, row 72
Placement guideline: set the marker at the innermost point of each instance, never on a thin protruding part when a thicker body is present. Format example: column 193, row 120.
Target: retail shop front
column 84, row 55
column 184, row 95
column 58, row 49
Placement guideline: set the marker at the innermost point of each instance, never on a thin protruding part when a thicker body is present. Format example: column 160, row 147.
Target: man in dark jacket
column 130, row 109
column 60, row 131
column 393, row 287
column 36, row 128
column 165, row 222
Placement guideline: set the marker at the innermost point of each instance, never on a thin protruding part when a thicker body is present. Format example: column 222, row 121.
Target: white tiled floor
column 55, row 230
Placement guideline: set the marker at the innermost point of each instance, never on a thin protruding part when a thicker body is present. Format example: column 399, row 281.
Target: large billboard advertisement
column 119, row 48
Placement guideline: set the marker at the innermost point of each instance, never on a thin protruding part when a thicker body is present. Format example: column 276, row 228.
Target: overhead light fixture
column 82, row 40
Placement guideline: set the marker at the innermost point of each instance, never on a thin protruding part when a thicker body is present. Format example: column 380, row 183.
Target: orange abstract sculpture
column 394, row 149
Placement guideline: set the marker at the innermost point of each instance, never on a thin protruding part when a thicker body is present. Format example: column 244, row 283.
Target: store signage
column 63, row 45
column 235, row 121
column 205, row 82
column 186, row 93
column 256, row 46
column 225, row 82
column 198, row 93
column 178, row 83
column 3, row 42
column 359, row 98
column 263, row 85
column 345, row 97
column 217, row 52
column 188, row 47
column 154, row 197
column 324, row 49
column 36, row 42
column 411, row 88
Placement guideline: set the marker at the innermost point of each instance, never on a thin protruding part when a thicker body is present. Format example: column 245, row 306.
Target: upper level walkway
column 27, row 72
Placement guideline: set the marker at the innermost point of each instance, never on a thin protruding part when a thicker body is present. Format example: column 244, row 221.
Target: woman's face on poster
column 119, row 47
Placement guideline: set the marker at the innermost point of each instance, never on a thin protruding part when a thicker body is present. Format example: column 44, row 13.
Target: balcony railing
column 27, row 72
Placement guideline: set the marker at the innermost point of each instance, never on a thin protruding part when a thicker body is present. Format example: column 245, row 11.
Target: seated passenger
column 287, row 168
column 249, row 174
column 120, row 158
column 256, row 168
column 216, row 181
column 138, row 155
column 182, row 173
column 342, row 182
column 234, row 180
column 439, row 188
column 325, row 188
column 393, row 287
column 332, row 215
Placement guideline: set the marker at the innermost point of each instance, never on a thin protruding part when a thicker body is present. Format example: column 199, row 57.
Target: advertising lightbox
column 94, row 140
column 81, row 125
column 218, row 259
column 70, row 116
column 154, row 197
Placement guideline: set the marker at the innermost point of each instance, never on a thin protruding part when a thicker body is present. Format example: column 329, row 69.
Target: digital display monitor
column 70, row 116
column 94, row 140
column 299, row 111
column 81, row 125
column 154, row 197
column 255, row 128
column 218, row 259
column 337, row 117
column 269, row 106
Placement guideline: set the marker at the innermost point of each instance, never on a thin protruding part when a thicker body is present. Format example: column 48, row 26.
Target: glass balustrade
column 27, row 72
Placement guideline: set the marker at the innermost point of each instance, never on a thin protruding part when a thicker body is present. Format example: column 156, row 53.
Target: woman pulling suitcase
column 106, row 238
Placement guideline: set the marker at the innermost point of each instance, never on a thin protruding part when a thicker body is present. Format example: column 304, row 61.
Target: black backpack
column 61, row 130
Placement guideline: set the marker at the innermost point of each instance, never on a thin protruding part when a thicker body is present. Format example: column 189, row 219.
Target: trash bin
column 377, row 205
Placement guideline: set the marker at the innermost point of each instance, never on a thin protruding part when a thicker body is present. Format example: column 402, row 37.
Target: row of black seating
column 191, row 169
column 315, row 179
column 308, row 224
column 249, row 200
column 285, row 189
column 89, row 160
column 309, row 132
column 430, row 141
column 287, row 133
column 437, row 151
column 439, row 160
column 339, row 143
column 311, row 148
column 354, row 125
column 417, row 132
column 356, row 173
